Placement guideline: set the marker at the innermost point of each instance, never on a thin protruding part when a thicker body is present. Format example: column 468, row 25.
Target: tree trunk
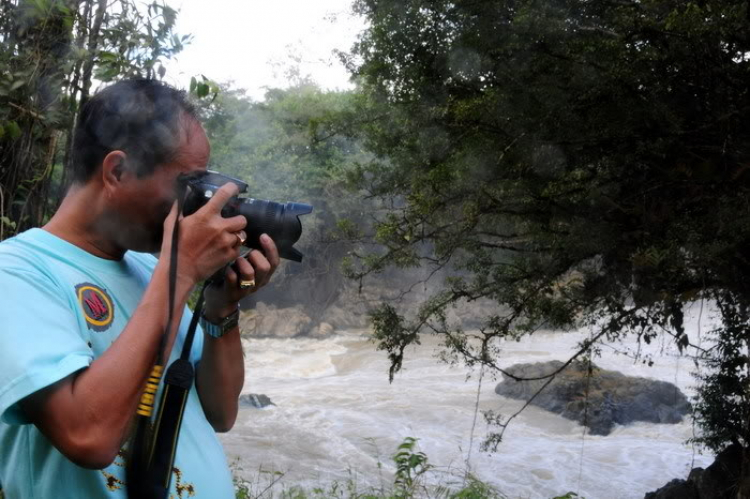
column 74, row 92
column 88, row 66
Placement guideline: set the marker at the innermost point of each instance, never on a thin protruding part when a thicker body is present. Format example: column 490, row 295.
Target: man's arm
column 87, row 415
column 219, row 379
column 221, row 370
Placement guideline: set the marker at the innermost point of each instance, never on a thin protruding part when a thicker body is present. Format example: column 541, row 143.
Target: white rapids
column 337, row 417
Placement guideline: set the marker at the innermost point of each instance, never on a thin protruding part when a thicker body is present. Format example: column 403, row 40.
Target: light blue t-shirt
column 60, row 308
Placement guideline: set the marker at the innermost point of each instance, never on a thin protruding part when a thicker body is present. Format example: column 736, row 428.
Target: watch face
column 231, row 320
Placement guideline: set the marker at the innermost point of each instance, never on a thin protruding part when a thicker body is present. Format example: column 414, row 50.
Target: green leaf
column 193, row 84
column 203, row 90
column 41, row 6
column 17, row 84
column 13, row 130
column 7, row 221
column 107, row 56
column 68, row 21
column 107, row 72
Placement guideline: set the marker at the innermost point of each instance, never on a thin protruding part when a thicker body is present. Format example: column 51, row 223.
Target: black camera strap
column 148, row 470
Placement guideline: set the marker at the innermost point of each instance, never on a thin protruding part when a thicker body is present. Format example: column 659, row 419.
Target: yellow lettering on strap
column 146, row 407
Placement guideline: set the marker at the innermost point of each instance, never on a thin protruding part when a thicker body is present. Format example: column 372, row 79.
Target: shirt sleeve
column 40, row 342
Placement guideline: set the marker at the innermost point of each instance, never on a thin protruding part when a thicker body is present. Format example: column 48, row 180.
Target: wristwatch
column 225, row 325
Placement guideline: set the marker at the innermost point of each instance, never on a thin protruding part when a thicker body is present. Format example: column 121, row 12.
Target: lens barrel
column 278, row 220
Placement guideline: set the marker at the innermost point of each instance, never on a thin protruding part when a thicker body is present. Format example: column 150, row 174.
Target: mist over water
column 336, row 413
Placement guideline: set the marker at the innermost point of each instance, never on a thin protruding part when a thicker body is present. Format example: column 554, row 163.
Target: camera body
column 279, row 220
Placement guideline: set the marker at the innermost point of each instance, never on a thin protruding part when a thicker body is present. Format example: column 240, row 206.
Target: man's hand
column 207, row 241
column 221, row 300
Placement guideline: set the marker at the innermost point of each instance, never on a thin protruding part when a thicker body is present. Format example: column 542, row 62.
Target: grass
column 413, row 479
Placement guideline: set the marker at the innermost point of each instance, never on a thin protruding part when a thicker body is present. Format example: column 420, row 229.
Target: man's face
column 144, row 203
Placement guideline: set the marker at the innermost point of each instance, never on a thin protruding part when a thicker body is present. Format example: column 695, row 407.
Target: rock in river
column 613, row 398
column 256, row 400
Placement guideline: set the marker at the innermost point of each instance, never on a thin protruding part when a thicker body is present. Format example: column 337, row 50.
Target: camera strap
column 153, row 446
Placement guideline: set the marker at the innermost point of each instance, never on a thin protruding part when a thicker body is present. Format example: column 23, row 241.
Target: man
column 84, row 306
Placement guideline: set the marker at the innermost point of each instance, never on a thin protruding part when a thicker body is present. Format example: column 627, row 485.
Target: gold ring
column 241, row 237
column 247, row 284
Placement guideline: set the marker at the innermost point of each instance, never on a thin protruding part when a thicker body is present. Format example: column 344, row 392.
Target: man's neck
column 78, row 221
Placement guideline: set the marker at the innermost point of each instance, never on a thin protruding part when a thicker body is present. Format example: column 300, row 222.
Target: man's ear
column 114, row 167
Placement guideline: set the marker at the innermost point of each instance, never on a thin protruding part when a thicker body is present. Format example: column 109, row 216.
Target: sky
column 255, row 43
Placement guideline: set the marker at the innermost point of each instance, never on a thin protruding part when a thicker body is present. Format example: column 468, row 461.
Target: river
column 336, row 417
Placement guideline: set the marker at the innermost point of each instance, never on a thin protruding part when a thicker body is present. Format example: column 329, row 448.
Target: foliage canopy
column 577, row 162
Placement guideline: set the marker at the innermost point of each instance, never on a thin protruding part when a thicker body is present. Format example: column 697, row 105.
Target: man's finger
column 270, row 250
column 262, row 266
column 235, row 224
column 246, row 271
column 221, row 196
column 230, row 277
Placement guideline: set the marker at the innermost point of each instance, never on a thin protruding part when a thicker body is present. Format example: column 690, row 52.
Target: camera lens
column 278, row 220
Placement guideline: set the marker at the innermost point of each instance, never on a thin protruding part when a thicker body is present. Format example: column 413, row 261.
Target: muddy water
column 337, row 416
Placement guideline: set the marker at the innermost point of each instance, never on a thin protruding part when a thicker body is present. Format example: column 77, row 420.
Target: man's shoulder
column 22, row 251
column 144, row 261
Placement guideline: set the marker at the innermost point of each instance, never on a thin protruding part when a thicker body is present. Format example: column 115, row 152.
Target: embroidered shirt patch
column 96, row 305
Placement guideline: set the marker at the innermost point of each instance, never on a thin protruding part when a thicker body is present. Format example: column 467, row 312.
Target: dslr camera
column 279, row 220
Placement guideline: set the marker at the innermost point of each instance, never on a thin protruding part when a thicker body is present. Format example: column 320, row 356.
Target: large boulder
column 268, row 321
column 721, row 480
column 599, row 401
column 322, row 330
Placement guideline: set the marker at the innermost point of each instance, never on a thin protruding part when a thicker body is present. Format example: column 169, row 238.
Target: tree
column 51, row 52
column 287, row 149
column 576, row 162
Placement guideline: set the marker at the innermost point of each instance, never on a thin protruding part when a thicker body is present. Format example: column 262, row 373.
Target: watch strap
column 225, row 325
